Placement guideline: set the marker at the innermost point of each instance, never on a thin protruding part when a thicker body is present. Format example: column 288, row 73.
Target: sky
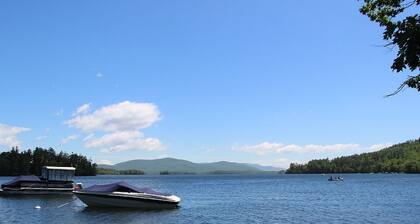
column 269, row 82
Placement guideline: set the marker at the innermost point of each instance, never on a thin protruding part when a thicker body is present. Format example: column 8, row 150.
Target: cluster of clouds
column 281, row 155
column 69, row 139
column 124, row 140
column 118, row 125
column 377, row 147
column 8, row 135
column 113, row 128
column 273, row 147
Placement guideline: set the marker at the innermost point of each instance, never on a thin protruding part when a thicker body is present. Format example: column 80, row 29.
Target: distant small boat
column 124, row 195
column 335, row 178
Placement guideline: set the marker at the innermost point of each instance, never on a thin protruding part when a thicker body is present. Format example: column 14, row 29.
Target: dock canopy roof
column 20, row 179
column 58, row 168
column 121, row 187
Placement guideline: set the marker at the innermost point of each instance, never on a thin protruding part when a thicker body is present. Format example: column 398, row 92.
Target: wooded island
column 399, row 158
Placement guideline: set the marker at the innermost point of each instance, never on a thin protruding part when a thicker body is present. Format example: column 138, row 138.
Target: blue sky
column 270, row 82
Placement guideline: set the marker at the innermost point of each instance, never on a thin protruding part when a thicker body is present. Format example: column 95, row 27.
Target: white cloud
column 282, row 162
column 99, row 75
column 117, row 117
column 121, row 124
column 124, row 140
column 105, row 162
column 59, row 113
column 89, row 136
column 267, row 147
column 69, row 139
column 260, row 149
column 42, row 137
column 377, row 147
column 8, row 135
column 293, row 153
column 82, row 109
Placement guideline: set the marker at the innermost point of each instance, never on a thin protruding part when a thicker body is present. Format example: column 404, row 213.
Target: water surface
column 361, row 198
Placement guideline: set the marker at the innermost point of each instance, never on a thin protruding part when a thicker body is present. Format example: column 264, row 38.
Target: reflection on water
column 123, row 215
column 39, row 197
column 44, row 201
column 238, row 199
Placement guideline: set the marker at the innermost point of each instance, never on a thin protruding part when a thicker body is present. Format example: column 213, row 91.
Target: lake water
column 361, row 198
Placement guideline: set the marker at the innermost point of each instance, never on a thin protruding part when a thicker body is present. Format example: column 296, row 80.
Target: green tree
column 402, row 29
column 15, row 163
column 404, row 157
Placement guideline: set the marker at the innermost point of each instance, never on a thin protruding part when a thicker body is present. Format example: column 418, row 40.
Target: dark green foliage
column 27, row 162
column 104, row 171
column 404, row 157
column 130, row 172
column 400, row 31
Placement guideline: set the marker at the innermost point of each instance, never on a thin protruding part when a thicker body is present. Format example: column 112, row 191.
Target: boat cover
column 121, row 187
column 19, row 179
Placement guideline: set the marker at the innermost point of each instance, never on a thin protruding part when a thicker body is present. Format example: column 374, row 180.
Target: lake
column 360, row 198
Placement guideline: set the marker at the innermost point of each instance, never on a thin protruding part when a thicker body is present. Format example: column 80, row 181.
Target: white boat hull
column 109, row 200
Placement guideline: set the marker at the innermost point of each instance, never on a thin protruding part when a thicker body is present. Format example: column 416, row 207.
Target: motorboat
column 54, row 180
column 336, row 178
column 124, row 195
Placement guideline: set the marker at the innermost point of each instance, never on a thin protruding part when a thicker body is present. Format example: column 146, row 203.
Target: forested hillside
column 13, row 163
column 403, row 157
column 179, row 166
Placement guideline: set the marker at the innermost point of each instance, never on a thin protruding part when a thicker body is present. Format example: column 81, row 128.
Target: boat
column 124, row 195
column 336, row 178
column 54, row 180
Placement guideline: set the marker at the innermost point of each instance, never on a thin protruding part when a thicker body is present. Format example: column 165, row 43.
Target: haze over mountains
column 172, row 165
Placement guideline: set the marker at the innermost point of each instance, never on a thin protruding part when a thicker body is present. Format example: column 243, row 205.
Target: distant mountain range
column 264, row 168
column 171, row 165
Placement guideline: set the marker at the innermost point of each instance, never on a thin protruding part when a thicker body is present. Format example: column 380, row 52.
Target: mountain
column 172, row 165
column 264, row 168
column 403, row 157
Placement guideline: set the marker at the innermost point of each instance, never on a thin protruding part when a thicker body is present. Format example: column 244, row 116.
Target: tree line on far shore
column 400, row 158
column 30, row 162
column 105, row 171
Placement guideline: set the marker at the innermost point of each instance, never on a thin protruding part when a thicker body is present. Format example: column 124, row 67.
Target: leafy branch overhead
column 401, row 30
